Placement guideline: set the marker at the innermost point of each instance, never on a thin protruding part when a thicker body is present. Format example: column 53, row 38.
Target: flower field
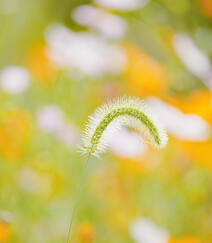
column 62, row 60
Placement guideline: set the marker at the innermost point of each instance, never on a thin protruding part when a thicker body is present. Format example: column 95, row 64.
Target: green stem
column 74, row 210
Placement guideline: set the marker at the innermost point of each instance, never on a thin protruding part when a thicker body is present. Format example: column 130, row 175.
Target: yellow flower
column 52, row 175
column 166, row 34
column 15, row 130
column 145, row 75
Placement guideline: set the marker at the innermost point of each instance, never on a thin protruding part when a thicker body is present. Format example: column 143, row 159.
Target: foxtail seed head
column 124, row 111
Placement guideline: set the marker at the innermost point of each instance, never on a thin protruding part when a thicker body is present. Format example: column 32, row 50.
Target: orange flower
column 131, row 166
column 4, row 232
column 15, row 129
column 199, row 152
column 86, row 233
column 184, row 240
column 145, row 75
column 38, row 64
column 141, row 165
column 106, row 184
column 199, row 103
column 205, row 7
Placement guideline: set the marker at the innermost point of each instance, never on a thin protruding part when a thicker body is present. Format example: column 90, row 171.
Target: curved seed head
column 123, row 111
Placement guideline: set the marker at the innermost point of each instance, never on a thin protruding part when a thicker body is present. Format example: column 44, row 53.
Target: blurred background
column 59, row 60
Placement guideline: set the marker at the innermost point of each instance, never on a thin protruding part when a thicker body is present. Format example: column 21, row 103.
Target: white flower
column 31, row 181
column 9, row 7
column 143, row 230
column 6, row 216
column 189, row 127
column 109, row 25
column 14, row 79
column 127, row 144
column 84, row 51
column 68, row 135
column 194, row 59
column 122, row 4
column 50, row 118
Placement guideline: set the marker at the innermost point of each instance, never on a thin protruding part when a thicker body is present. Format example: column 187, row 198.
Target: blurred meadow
column 59, row 61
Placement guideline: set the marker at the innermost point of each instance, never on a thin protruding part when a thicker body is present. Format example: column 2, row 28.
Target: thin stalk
column 74, row 210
